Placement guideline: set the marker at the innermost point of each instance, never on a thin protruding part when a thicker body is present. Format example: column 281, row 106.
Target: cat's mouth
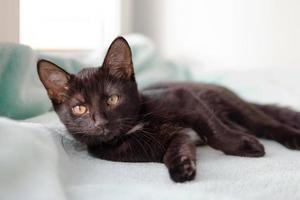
column 105, row 135
column 103, row 132
column 93, row 138
column 101, row 135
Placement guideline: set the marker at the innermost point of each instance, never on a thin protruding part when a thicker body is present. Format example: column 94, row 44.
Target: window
column 69, row 24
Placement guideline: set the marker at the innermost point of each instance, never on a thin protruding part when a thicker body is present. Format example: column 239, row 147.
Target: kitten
column 102, row 108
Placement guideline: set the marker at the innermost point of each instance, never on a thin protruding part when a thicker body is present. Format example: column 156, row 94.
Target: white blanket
column 40, row 161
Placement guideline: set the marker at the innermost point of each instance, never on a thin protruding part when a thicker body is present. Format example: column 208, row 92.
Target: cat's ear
column 118, row 60
column 55, row 80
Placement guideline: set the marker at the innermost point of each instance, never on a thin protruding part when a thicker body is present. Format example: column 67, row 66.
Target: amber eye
column 80, row 110
column 113, row 100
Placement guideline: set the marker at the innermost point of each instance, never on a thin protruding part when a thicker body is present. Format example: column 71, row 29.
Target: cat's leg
column 260, row 124
column 247, row 144
column 233, row 140
column 284, row 115
column 181, row 105
column 180, row 158
column 237, row 143
column 269, row 129
column 204, row 120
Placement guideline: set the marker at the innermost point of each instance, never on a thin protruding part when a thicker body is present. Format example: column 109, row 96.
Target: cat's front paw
column 183, row 169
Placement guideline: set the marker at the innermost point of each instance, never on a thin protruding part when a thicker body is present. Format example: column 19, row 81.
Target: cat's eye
column 113, row 100
column 80, row 110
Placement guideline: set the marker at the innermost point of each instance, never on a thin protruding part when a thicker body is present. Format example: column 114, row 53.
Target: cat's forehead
column 91, row 80
column 88, row 73
column 88, row 77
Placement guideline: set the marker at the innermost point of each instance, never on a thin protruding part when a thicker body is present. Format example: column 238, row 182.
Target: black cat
column 102, row 108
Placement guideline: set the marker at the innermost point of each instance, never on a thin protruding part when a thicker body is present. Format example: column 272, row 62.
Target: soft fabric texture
column 39, row 160
column 22, row 94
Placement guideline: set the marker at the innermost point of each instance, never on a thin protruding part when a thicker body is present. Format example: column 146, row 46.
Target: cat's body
column 101, row 107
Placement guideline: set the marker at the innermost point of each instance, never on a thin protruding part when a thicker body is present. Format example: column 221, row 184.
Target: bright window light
column 69, row 24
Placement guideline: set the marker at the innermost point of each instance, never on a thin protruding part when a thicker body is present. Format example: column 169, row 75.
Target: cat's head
column 96, row 103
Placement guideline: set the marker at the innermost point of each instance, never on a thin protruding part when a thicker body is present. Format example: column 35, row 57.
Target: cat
column 102, row 108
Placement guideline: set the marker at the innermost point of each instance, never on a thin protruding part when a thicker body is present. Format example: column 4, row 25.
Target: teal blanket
column 39, row 159
column 23, row 96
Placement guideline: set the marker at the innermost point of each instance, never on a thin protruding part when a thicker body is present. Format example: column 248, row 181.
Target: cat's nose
column 100, row 123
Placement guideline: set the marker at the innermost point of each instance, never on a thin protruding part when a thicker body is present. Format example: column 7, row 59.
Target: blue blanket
column 39, row 160
column 23, row 96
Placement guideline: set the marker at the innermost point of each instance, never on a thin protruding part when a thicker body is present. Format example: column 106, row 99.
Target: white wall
column 80, row 24
column 224, row 33
column 9, row 20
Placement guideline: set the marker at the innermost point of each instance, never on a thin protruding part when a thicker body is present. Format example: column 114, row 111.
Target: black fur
column 150, row 125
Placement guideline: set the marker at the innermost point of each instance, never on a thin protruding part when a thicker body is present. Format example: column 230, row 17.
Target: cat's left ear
column 55, row 80
column 118, row 60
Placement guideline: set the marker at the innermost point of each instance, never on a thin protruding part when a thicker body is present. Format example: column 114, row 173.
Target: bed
column 39, row 160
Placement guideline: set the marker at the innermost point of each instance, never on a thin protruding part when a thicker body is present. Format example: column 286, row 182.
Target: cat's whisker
column 140, row 144
column 148, row 136
column 151, row 135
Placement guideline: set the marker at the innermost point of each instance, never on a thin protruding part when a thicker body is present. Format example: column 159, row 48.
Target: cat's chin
column 90, row 138
column 108, row 138
column 101, row 132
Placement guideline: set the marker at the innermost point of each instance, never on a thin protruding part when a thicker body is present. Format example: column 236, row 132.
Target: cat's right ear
column 118, row 59
column 55, row 80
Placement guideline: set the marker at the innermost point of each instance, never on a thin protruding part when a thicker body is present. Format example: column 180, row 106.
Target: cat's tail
column 284, row 115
